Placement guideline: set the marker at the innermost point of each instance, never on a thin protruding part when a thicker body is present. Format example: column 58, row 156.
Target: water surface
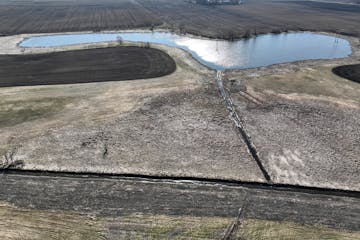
column 258, row 51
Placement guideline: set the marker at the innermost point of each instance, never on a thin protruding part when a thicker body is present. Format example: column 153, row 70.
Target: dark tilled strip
column 80, row 66
column 187, row 180
column 116, row 196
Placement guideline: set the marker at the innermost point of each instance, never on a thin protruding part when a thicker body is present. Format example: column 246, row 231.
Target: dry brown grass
column 303, row 120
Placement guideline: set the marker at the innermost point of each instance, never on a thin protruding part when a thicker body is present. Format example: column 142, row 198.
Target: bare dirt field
column 94, row 65
column 68, row 15
column 303, row 120
column 253, row 17
column 351, row 72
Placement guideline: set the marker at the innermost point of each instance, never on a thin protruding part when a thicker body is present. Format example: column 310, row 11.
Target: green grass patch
column 20, row 224
column 20, row 111
column 168, row 227
column 271, row 230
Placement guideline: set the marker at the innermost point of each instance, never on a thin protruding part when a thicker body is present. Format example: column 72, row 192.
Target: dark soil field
column 351, row 72
column 330, row 6
column 120, row 197
column 231, row 21
column 110, row 64
column 58, row 16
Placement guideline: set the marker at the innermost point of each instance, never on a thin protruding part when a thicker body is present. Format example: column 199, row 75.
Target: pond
column 263, row 50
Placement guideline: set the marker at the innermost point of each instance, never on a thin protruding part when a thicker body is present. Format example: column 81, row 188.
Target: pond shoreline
column 11, row 45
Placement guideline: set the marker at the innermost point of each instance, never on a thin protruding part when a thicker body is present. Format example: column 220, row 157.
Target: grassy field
column 28, row 224
column 187, row 227
column 172, row 125
column 109, row 64
column 252, row 229
column 303, row 120
column 253, row 17
column 18, row 111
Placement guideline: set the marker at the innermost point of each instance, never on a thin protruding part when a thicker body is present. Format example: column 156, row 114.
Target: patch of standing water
column 263, row 50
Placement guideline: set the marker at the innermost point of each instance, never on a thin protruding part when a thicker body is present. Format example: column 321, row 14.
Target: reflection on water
column 259, row 51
